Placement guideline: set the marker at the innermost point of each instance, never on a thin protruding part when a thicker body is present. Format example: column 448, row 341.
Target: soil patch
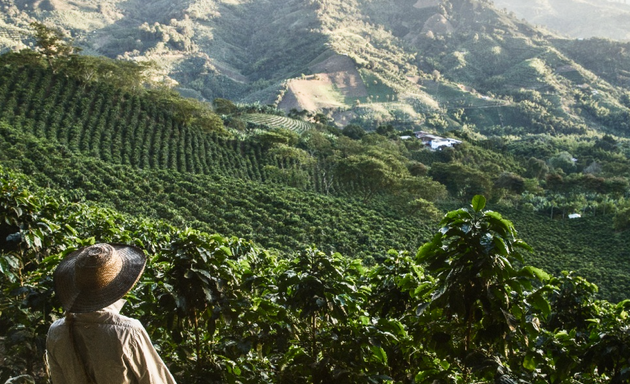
column 336, row 78
column 342, row 72
column 311, row 94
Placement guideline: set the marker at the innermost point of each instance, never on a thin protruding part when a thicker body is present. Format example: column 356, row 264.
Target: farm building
column 436, row 142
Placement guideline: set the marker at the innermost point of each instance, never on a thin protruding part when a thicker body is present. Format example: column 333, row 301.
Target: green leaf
column 379, row 353
column 529, row 363
column 536, row 272
column 623, row 304
column 478, row 203
column 425, row 251
column 227, row 250
column 500, row 246
column 539, row 302
column 208, row 293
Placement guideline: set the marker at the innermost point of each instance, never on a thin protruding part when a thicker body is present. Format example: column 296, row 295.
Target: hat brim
column 76, row 300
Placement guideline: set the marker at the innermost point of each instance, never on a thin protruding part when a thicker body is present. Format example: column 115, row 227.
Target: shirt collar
column 115, row 307
column 104, row 314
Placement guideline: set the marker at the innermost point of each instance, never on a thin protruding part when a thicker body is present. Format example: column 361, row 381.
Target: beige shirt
column 116, row 349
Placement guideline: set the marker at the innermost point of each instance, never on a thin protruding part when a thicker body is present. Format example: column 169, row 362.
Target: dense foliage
column 106, row 142
column 464, row 309
column 116, row 143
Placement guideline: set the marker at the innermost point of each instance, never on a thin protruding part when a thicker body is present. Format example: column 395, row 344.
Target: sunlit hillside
column 369, row 62
column 327, row 191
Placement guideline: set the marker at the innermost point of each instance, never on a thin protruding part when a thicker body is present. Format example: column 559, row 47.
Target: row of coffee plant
column 463, row 309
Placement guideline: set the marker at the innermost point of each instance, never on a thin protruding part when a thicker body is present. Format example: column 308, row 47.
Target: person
column 93, row 343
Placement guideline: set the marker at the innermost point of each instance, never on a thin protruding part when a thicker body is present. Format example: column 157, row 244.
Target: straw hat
column 94, row 277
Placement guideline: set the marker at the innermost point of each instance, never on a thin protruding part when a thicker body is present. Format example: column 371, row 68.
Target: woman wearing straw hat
column 94, row 343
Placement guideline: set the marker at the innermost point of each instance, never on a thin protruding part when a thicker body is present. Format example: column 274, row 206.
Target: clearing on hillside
column 335, row 80
column 342, row 72
column 311, row 94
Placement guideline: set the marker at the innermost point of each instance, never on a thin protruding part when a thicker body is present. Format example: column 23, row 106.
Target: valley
column 400, row 191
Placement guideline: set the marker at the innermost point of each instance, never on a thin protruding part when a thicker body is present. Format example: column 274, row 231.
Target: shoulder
column 57, row 333
column 127, row 322
column 56, row 326
column 58, row 323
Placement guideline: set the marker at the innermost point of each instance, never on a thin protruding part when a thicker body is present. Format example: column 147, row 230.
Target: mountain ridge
column 403, row 61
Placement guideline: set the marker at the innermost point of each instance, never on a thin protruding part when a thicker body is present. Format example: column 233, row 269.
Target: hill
column 94, row 149
column 365, row 62
column 286, row 183
column 111, row 156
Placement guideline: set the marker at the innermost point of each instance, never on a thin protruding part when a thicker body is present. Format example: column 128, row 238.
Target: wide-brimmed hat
column 94, row 277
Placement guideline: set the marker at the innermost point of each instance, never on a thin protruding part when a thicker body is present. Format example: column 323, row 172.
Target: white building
column 444, row 142
column 436, row 142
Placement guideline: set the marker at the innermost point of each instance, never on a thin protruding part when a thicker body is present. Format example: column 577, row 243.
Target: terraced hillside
column 273, row 121
column 286, row 219
column 119, row 126
column 143, row 153
column 273, row 215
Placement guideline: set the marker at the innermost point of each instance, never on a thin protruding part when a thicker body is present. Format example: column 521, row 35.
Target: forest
column 285, row 249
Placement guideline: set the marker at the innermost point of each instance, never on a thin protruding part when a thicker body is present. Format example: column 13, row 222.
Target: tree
column 555, row 182
column 563, row 161
column 616, row 186
column 353, row 131
column 425, row 209
column 621, row 221
column 422, row 187
column 510, row 181
column 536, row 168
column 291, row 156
column 316, row 143
column 321, row 290
column 436, row 75
column 416, row 168
column 370, row 174
column 278, row 136
column 322, row 119
column 386, row 130
column 607, row 143
column 479, row 288
column 460, row 180
column 51, row 43
column 127, row 75
column 224, row 106
column 374, row 171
